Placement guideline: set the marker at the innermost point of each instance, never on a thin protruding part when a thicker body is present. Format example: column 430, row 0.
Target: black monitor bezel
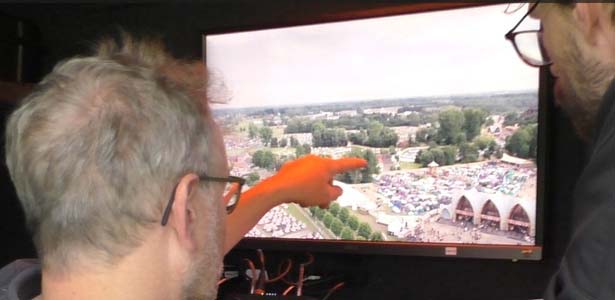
column 480, row 251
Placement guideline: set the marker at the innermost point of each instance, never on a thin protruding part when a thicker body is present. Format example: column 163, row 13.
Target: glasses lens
column 529, row 46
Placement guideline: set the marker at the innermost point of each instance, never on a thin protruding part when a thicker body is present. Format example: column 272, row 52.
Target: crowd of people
column 418, row 192
column 277, row 223
column 492, row 177
column 431, row 230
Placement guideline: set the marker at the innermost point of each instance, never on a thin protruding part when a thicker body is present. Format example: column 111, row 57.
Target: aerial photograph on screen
column 438, row 104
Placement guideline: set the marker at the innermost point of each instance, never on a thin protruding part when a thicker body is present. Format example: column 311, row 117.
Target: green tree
column 328, row 219
column 318, row 130
column 445, row 155
column 319, row 213
column 334, row 209
column 523, row 142
column 322, row 137
column 473, row 122
column 493, row 145
column 451, row 126
column 450, row 154
column 519, row 143
column 468, row 152
column 359, row 138
column 341, row 138
column 483, row 142
column 252, row 178
column 264, row 159
column 364, row 175
column 257, row 157
column 273, row 143
column 302, row 150
column 312, row 210
column 294, row 142
column 297, row 125
column 372, row 166
column 347, row 233
column 252, row 131
column 353, row 222
column 493, row 149
column 337, row 226
column 424, row 157
column 364, row 230
column 343, row 214
column 265, row 133
column 499, row 153
column 533, row 132
column 438, row 156
column 511, row 118
column 426, row 135
column 379, row 136
column 376, row 236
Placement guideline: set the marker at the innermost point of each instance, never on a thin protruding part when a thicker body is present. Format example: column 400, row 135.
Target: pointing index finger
column 347, row 164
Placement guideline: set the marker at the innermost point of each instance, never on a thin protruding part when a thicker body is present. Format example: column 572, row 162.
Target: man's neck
column 139, row 275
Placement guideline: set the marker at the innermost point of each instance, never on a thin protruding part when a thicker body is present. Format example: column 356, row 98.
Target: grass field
column 409, row 166
column 294, row 211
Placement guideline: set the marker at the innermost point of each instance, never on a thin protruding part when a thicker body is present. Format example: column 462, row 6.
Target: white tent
column 353, row 198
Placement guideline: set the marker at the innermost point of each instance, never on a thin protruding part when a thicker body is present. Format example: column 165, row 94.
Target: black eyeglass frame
column 511, row 34
column 204, row 177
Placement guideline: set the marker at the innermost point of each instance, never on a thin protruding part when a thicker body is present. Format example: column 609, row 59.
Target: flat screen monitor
column 438, row 102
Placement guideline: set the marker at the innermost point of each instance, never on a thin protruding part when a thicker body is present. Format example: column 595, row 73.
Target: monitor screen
column 438, row 103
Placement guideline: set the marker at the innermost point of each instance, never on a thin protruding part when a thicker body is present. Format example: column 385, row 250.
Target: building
column 498, row 210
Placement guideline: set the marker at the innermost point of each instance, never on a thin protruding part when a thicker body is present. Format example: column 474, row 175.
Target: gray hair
column 95, row 150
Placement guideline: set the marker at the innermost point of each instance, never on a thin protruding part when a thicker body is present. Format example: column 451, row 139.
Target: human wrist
column 270, row 190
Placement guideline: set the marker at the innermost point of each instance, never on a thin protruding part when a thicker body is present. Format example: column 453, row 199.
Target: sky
column 427, row 54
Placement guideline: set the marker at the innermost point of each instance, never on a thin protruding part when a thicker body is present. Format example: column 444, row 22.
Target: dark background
column 57, row 31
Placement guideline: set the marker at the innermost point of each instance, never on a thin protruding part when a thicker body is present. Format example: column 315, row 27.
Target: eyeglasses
column 528, row 43
column 232, row 192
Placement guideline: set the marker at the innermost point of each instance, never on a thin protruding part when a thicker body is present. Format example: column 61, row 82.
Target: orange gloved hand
column 307, row 181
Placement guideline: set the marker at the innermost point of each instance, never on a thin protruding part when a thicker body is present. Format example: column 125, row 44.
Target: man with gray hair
column 123, row 177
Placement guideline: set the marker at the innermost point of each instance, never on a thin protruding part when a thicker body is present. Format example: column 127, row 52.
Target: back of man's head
column 95, row 150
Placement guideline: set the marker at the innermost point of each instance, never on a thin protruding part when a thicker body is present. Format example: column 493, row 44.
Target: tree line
column 266, row 159
column 364, row 175
column 376, row 136
column 456, row 139
column 265, row 133
column 464, row 153
column 360, row 121
column 343, row 224
column 327, row 137
column 522, row 119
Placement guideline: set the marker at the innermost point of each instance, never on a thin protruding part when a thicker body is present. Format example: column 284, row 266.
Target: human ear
column 183, row 212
